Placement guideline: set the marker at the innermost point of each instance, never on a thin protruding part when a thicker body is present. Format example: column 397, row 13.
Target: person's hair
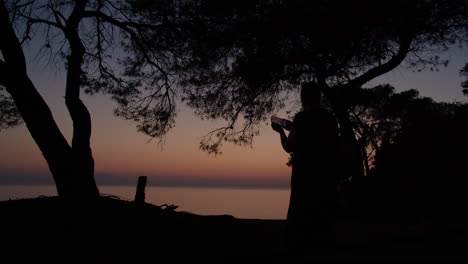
column 310, row 94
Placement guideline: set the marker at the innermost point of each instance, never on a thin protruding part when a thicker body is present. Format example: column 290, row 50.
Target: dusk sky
column 122, row 154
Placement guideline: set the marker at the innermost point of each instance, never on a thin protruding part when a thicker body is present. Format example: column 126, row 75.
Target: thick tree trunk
column 72, row 167
column 83, row 161
column 43, row 129
column 81, row 145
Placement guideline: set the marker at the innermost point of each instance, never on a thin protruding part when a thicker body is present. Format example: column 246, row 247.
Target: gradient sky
column 122, row 154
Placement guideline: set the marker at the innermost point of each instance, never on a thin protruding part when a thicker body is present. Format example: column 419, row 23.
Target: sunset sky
column 122, row 154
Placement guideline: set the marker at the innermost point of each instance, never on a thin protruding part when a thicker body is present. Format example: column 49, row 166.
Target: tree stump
column 140, row 191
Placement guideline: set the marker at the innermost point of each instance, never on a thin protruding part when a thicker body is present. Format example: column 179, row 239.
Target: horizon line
column 167, row 185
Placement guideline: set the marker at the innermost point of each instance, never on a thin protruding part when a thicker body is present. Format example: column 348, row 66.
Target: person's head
column 310, row 95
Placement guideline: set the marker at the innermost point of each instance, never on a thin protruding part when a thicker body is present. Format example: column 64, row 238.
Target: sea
column 243, row 203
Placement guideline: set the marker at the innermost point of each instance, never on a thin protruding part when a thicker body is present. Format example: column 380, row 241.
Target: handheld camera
column 280, row 121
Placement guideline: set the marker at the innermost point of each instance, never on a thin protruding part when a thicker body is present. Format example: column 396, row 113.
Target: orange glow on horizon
column 120, row 150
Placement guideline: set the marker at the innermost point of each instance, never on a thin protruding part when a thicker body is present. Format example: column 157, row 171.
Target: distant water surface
column 240, row 203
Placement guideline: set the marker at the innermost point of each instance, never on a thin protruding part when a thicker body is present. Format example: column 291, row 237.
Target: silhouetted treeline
column 418, row 168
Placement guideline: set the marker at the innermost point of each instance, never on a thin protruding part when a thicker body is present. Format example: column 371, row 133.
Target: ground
column 48, row 228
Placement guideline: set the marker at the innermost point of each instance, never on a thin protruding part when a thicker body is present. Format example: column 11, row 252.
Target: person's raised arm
column 286, row 141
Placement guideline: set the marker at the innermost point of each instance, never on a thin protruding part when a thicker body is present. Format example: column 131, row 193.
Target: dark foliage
column 464, row 84
column 125, row 55
column 375, row 115
column 419, row 167
column 246, row 56
column 9, row 115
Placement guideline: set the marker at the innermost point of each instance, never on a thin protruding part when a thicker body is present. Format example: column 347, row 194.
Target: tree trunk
column 83, row 161
column 366, row 160
column 73, row 172
column 42, row 127
column 346, row 129
column 337, row 96
column 81, row 145
column 337, row 100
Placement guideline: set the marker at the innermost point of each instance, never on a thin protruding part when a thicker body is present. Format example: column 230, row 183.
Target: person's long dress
column 311, row 213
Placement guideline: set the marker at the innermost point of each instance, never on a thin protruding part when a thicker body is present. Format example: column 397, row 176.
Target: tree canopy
column 102, row 46
column 115, row 42
column 244, row 57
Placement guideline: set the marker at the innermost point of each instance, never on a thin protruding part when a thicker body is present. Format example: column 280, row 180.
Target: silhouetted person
column 312, row 144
